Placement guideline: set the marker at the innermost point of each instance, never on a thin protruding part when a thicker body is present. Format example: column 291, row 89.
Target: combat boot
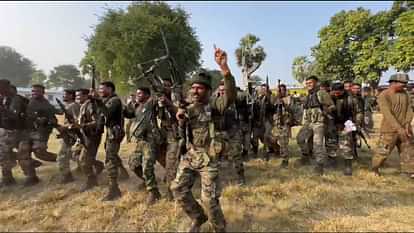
column 91, row 182
column 284, row 164
column 46, row 155
column 348, row 167
column 153, row 196
column 66, row 178
column 123, row 173
column 376, row 171
column 7, row 179
column 36, row 163
column 113, row 193
column 31, row 180
column 319, row 169
column 196, row 224
column 99, row 167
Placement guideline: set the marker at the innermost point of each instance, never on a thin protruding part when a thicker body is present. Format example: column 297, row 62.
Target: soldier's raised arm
column 222, row 102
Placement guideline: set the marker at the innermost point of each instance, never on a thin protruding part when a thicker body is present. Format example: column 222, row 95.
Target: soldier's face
column 356, row 89
column 81, row 98
column 398, row 86
column 67, row 97
column 347, row 86
column 141, row 96
column 310, row 84
column 104, row 91
column 37, row 92
column 337, row 93
column 283, row 91
column 199, row 92
column 222, row 91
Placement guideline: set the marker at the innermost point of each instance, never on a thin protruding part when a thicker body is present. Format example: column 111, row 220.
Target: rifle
column 70, row 135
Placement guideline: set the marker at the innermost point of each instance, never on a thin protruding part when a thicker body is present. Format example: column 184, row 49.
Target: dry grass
column 274, row 200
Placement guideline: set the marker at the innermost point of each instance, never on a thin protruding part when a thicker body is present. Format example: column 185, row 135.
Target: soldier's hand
column 403, row 134
column 409, row 132
column 180, row 115
column 74, row 126
column 221, row 59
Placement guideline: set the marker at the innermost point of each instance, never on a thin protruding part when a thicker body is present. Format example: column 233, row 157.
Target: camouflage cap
column 202, row 77
column 402, row 78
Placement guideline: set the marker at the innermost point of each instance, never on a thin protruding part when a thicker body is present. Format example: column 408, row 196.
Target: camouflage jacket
column 13, row 113
column 40, row 115
column 317, row 105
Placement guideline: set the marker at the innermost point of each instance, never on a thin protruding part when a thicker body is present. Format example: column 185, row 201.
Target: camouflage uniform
column 129, row 122
column 169, row 130
column 10, row 134
column 243, row 116
column 148, row 141
column 260, row 125
column 91, row 126
column 202, row 157
column 311, row 136
column 397, row 116
column 369, row 104
column 112, row 108
column 39, row 124
column 277, row 135
column 65, row 153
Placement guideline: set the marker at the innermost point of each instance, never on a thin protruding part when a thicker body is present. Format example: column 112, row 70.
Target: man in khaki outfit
column 395, row 131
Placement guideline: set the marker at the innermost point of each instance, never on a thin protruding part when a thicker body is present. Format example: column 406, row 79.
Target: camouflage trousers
column 143, row 160
column 368, row 120
column 343, row 147
column 194, row 162
column 258, row 134
column 277, row 137
column 64, row 156
column 386, row 144
column 331, row 138
column 245, row 136
column 232, row 150
column 128, row 126
column 112, row 159
column 88, row 155
column 36, row 142
column 8, row 141
column 310, row 139
column 172, row 158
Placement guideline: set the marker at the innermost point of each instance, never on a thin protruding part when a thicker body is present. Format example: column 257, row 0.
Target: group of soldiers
column 191, row 138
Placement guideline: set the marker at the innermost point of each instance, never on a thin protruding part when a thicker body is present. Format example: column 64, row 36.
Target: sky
column 51, row 33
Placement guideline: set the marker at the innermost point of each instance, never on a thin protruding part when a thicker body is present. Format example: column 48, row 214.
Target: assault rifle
column 69, row 135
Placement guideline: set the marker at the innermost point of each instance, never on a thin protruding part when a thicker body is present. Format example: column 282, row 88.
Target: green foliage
column 123, row 39
column 38, row 77
column 15, row 67
column 360, row 46
column 302, row 68
column 66, row 76
column 249, row 56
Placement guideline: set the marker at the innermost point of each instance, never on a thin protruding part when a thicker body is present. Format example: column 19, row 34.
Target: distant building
column 50, row 94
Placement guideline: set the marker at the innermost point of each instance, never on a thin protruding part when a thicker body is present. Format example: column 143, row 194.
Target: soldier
column 112, row 109
column 369, row 106
column 310, row 138
column 40, row 120
column 358, row 103
column 228, row 131
column 395, row 129
column 261, row 120
column 148, row 140
column 242, row 108
column 325, row 86
column 344, row 114
column 278, row 134
column 331, row 134
column 197, row 124
column 65, row 153
column 130, row 103
column 12, row 111
column 169, row 130
column 90, row 124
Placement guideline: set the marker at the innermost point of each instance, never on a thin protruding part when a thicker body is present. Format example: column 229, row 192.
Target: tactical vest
column 344, row 109
column 313, row 110
column 146, row 127
column 202, row 125
column 13, row 117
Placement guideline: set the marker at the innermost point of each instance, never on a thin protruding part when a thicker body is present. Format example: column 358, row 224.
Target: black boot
column 348, row 167
column 66, row 178
column 376, row 171
column 7, row 179
column 37, row 163
column 113, row 193
column 284, row 164
column 91, row 182
column 196, row 224
column 153, row 196
column 319, row 169
column 31, row 180
column 241, row 179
